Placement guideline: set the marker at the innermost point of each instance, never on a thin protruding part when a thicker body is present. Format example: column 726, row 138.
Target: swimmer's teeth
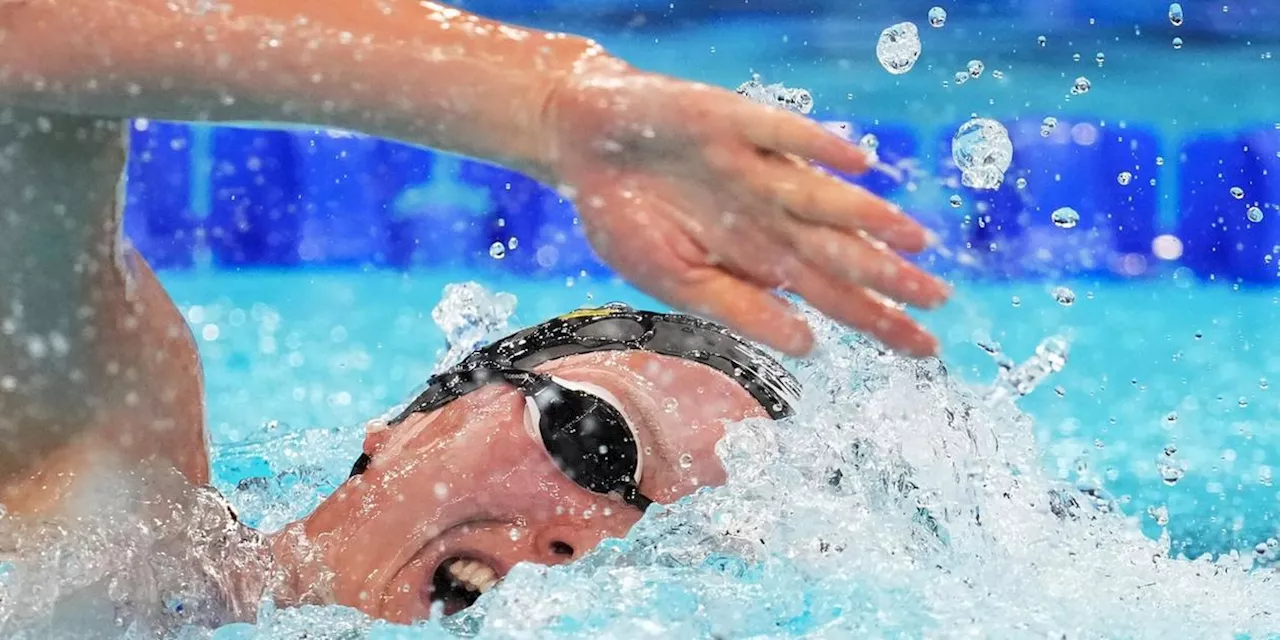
column 475, row 576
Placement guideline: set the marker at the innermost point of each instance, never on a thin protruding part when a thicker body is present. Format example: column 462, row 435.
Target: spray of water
column 899, row 502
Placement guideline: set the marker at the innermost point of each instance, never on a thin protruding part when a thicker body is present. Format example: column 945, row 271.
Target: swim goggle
column 588, row 437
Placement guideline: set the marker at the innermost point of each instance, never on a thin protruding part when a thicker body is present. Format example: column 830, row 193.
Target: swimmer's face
column 455, row 498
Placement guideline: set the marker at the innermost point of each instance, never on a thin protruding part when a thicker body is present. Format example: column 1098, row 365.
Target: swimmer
column 696, row 196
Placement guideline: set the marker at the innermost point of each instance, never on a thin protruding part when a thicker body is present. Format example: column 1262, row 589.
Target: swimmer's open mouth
column 458, row 582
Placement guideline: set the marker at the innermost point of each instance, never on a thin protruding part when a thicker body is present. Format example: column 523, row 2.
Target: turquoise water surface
column 1171, row 361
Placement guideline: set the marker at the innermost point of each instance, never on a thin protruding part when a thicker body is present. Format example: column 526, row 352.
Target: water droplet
column 982, row 150
column 1066, row 218
column 937, row 17
column 1081, row 86
column 1017, row 302
column 1124, row 178
column 1042, row 40
column 686, row 460
column 976, row 68
column 1237, row 193
column 1170, row 474
column 1021, row 183
column 1254, row 214
column 1160, row 514
column 956, row 202
column 899, row 48
column 497, row 251
column 1175, row 14
column 1101, row 58
column 1047, row 126
column 869, row 143
column 1177, row 43
column 1064, row 296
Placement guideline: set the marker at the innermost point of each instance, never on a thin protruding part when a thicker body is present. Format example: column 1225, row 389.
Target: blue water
column 298, row 360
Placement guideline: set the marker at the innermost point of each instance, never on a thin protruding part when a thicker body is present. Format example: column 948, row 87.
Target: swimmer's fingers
column 783, row 132
column 865, row 311
column 746, row 308
column 811, row 195
column 851, row 259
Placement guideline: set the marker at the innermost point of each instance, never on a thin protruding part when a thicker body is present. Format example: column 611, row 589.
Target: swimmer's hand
column 709, row 202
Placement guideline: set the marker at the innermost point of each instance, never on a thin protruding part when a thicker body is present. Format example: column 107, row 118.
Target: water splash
column 797, row 100
column 469, row 315
column 899, row 502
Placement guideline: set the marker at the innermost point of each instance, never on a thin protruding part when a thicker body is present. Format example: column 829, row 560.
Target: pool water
column 296, row 361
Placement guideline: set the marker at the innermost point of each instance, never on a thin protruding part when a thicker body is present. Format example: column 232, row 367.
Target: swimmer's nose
column 560, row 544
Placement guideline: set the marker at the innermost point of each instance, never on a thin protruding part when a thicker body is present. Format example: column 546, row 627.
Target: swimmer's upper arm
column 97, row 366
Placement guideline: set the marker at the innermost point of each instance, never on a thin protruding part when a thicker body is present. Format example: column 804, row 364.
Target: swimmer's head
column 534, row 450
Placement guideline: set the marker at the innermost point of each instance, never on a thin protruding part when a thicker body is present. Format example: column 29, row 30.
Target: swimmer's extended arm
column 409, row 70
column 698, row 197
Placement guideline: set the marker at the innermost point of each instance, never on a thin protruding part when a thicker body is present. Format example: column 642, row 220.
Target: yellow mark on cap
column 588, row 313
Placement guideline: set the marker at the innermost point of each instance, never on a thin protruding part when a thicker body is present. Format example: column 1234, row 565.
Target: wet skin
column 472, row 480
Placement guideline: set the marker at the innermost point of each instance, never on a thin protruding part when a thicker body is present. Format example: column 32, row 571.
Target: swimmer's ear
column 376, row 434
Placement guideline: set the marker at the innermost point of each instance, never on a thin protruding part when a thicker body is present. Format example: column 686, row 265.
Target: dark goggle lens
column 587, row 437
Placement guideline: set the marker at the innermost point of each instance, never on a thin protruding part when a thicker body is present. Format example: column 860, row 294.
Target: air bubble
column 1254, row 214
column 997, row 74
column 686, row 460
column 1081, row 86
column 1101, row 58
column 1021, row 183
column 869, row 143
column 1042, row 41
column 961, row 77
column 899, row 48
column 937, row 17
column 1175, row 14
column 1065, row 297
column 976, row 68
column 982, row 150
column 1237, row 193
column 1177, row 43
column 1263, row 384
column 956, row 201
column 1066, row 218
column 669, row 405
column 1124, row 178
column 513, row 243
column 1016, row 301
column 497, row 251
